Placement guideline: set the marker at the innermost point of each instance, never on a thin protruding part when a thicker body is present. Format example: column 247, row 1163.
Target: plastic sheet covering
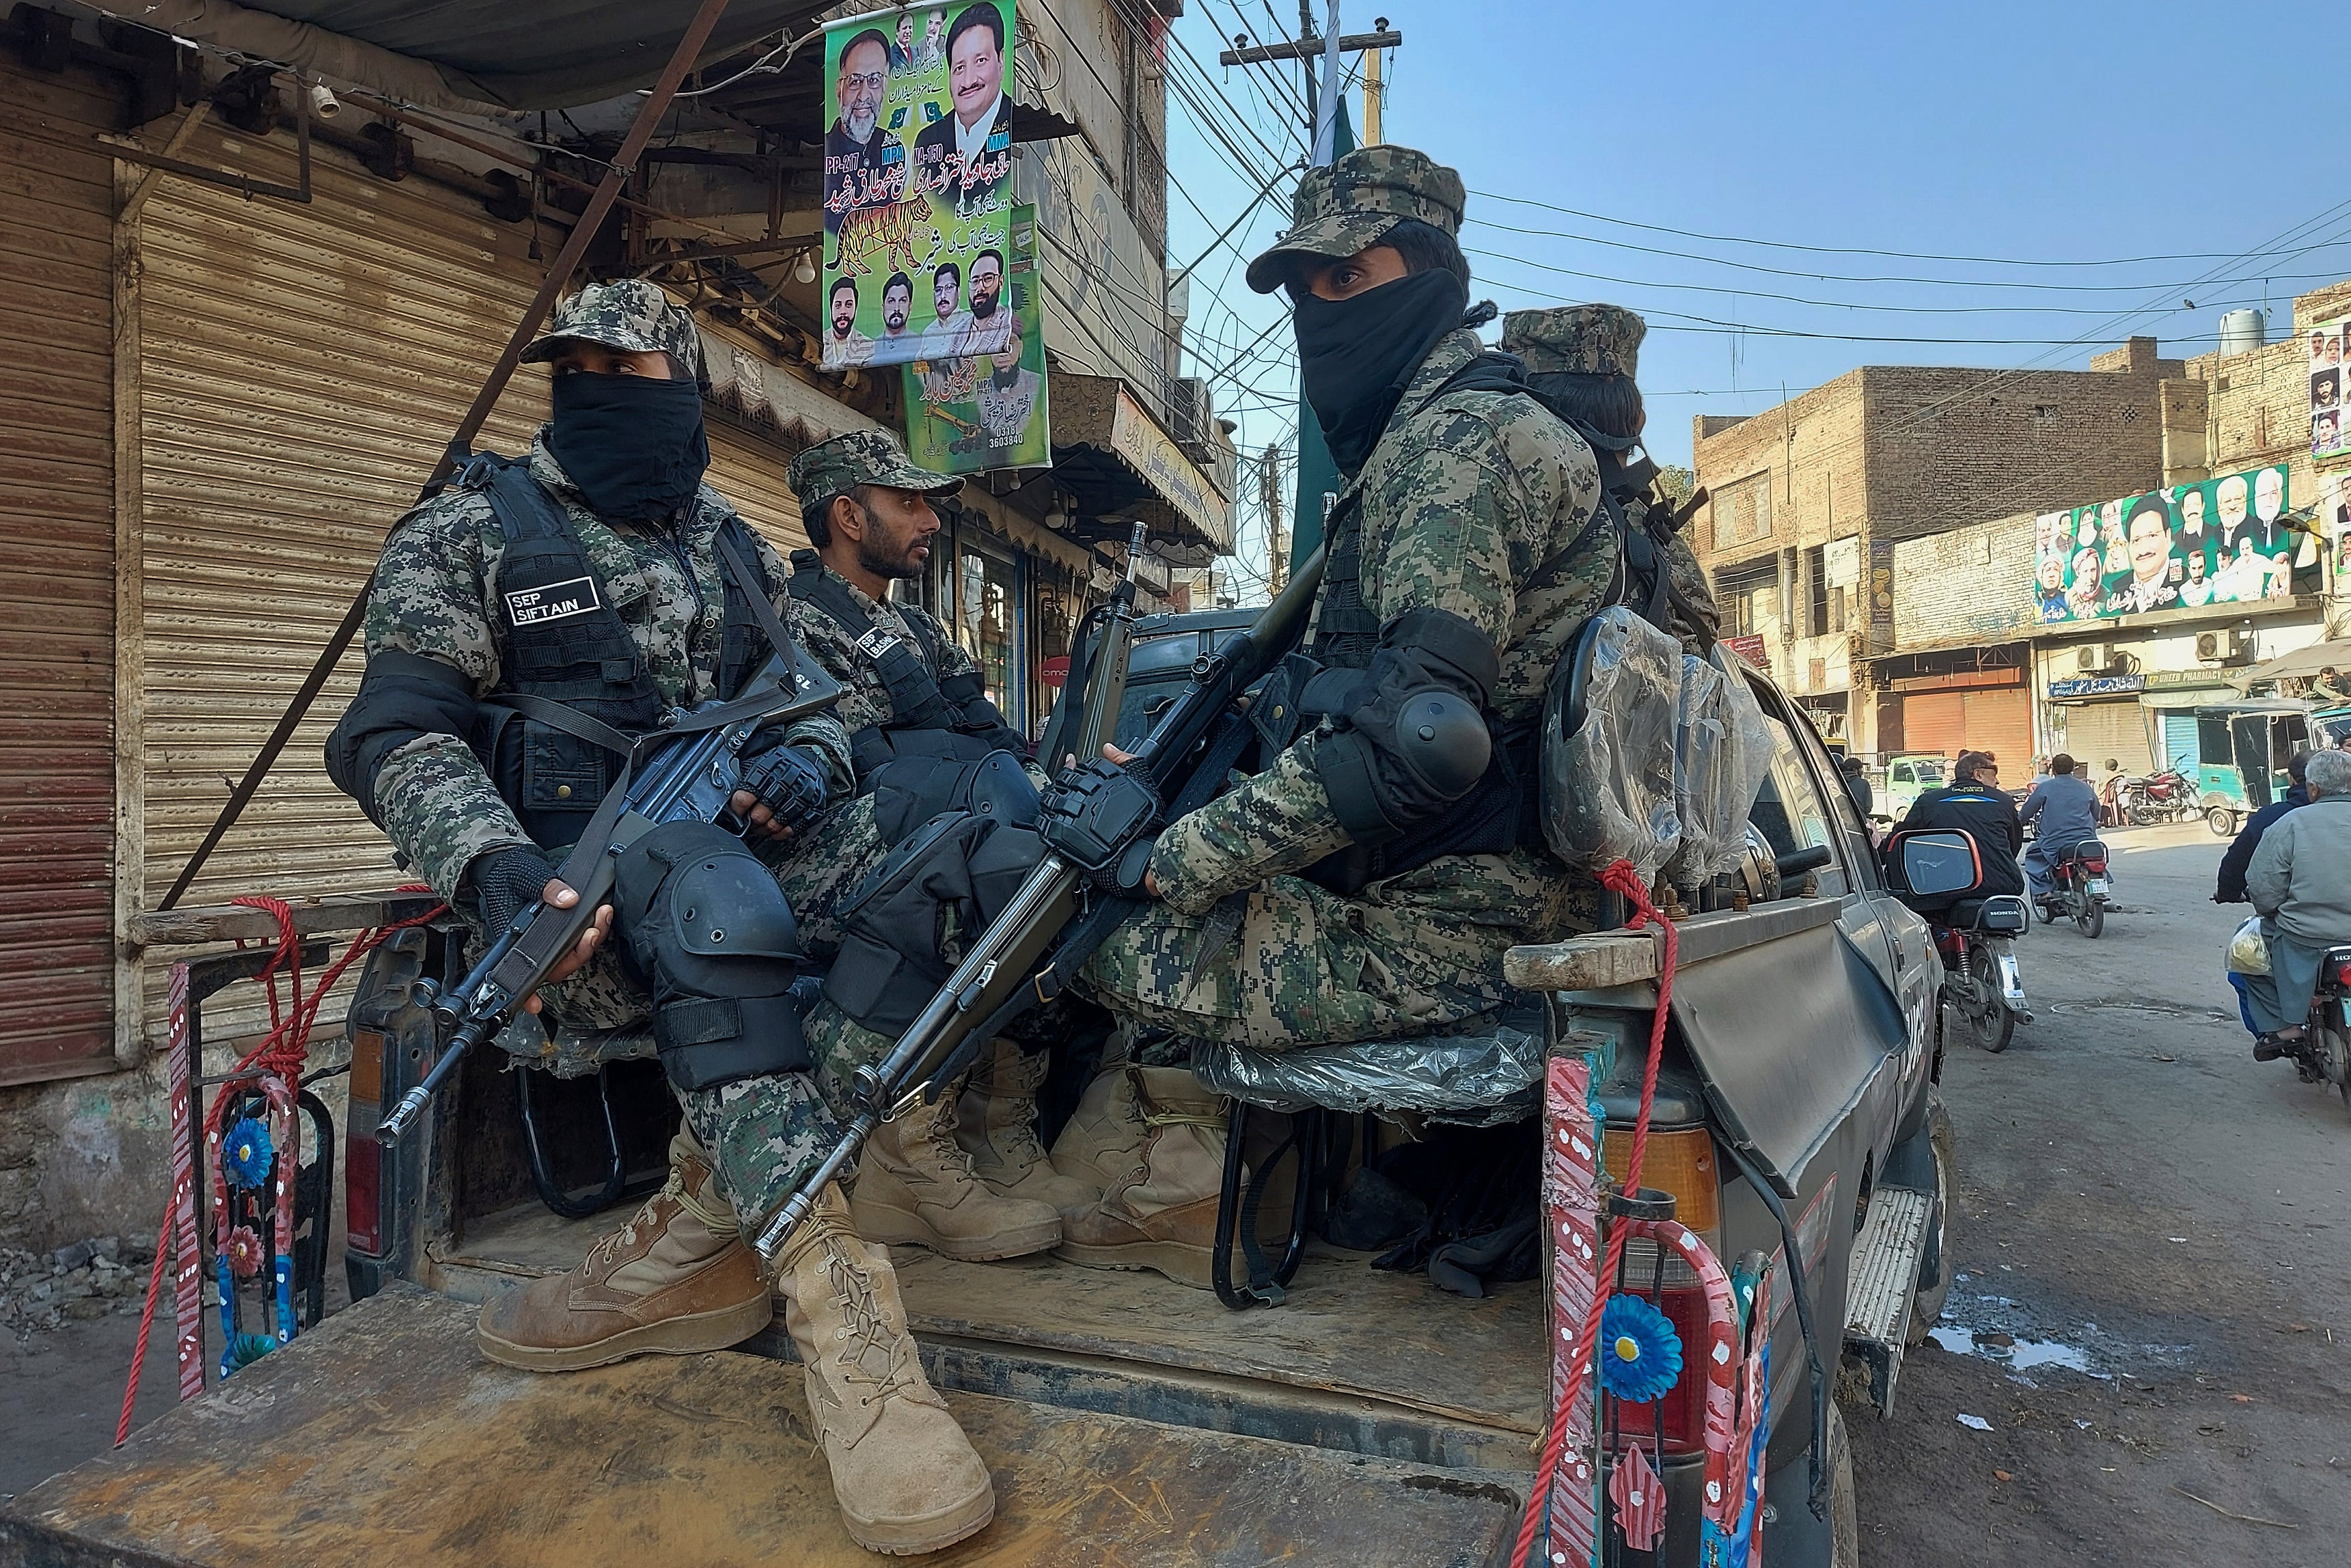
column 2249, row 951
column 1608, row 747
column 1480, row 1079
column 1722, row 748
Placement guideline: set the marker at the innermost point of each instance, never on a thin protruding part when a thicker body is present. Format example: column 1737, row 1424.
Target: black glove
column 505, row 881
column 788, row 781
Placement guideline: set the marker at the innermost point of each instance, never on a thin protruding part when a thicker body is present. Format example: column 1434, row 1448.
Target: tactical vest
column 934, row 719
column 573, row 692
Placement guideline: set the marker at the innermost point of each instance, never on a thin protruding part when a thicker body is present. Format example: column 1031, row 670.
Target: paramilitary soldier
column 925, row 739
column 1365, row 883
column 515, row 620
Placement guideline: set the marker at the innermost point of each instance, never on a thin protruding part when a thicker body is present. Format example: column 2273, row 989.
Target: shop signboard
column 2226, row 540
column 917, row 183
column 971, row 412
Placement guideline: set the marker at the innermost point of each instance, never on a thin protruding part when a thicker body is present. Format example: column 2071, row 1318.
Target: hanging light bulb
column 803, row 269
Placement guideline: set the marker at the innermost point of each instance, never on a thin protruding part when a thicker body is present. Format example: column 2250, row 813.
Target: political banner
column 2330, row 420
column 917, row 183
column 2219, row 541
column 977, row 411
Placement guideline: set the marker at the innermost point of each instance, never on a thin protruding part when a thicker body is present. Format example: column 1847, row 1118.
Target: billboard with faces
column 2330, row 388
column 917, row 183
column 968, row 415
column 2219, row 541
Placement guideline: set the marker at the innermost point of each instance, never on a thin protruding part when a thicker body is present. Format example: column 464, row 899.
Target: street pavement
column 2154, row 1235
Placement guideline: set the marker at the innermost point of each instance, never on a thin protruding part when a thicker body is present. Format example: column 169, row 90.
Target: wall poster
column 982, row 411
column 2227, row 540
column 917, row 183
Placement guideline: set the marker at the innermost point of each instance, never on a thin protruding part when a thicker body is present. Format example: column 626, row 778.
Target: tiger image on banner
column 918, row 183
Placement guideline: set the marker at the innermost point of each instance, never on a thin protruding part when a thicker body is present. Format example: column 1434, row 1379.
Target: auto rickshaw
column 2240, row 755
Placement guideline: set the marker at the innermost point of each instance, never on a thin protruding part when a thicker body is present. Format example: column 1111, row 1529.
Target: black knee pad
column 912, row 791
column 709, row 931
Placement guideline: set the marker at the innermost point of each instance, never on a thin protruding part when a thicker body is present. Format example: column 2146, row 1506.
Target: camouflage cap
column 1347, row 207
column 837, row 466
column 1592, row 339
column 630, row 314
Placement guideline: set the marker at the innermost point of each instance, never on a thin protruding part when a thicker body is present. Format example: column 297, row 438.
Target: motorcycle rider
column 2067, row 809
column 2300, row 883
column 2230, row 886
column 1973, row 803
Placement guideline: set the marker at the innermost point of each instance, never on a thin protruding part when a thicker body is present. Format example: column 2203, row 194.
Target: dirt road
column 2162, row 1227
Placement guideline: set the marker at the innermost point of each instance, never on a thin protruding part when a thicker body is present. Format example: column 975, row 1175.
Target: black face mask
column 1355, row 356
column 634, row 446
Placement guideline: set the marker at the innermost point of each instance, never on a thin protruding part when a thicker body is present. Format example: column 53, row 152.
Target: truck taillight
column 362, row 1155
column 1681, row 1162
column 1683, row 1301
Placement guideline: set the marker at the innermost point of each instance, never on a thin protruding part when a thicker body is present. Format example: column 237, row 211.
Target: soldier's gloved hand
column 505, row 881
column 783, row 791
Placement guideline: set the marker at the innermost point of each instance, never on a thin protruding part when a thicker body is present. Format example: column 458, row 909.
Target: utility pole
column 1318, row 477
column 1276, row 540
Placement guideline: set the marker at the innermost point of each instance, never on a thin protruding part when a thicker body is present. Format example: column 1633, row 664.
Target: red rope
column 284, row 1050
column 1619, row 878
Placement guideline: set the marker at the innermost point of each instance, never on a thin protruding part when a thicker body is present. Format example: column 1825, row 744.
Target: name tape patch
column 535, row 606
column 876, row 642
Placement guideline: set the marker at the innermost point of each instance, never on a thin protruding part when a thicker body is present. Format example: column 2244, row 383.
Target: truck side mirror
column 1934, row 863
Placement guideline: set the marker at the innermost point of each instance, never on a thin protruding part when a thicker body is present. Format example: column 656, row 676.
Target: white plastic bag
column 1608, row 747
column 1722, row 747
column 2249, row 954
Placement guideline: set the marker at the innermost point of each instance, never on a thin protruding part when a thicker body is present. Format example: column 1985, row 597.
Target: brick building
column 1809, row 499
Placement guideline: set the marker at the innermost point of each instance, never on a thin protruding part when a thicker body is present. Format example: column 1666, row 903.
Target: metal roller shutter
column 56, row 581
column 2181, row 750
column 2095, row 732
column 2001, row 721
column 1933, row 722
column 302, row 367
column 749, row 472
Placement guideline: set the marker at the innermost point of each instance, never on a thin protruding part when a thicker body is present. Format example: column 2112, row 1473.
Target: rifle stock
column 1001, row 965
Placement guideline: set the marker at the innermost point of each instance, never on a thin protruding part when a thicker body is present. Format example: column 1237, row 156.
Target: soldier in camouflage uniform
column 1365, row 885
column 1581, row 360
column 516, row 621
column 968, row 1177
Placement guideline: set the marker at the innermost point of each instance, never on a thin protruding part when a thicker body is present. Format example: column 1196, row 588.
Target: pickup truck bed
column 416, row 1451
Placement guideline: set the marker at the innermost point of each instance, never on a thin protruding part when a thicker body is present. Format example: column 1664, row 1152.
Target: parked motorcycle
column 2167, row 796
column 1980, row 977
column 2080, row 891
column 2323, row 1054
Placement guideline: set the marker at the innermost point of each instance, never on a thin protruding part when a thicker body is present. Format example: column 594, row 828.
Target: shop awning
column 516, row 54
column 1119, row 462
column 2335, row 655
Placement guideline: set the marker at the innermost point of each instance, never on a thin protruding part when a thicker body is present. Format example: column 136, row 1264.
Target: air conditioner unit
column 2209, row 647
column 2098, row 658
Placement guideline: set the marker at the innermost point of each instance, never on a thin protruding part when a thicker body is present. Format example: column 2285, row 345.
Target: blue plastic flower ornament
column 246, row 1153
column 1640, row 1354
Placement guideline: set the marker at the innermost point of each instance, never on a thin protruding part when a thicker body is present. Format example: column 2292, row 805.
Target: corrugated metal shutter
column 748, row 470
column 2179, row 749
column 2000, row 721
column 1933, row 722
column 302, row 367
column 2095, row 732
column 56, row 581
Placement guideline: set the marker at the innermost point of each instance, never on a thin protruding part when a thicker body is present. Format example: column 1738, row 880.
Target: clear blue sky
column 2046, row 133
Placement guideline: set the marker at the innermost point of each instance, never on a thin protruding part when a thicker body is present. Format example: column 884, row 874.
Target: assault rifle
column 1099, row 821
column 689, row 770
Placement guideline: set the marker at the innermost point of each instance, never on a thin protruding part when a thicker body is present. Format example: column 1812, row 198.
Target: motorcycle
column 1980, row 977
column 2323, row 1054
column 2165, row 797
column 2079, row 891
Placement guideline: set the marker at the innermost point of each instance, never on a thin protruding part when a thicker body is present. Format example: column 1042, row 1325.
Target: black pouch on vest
column 890, row 966
column 1493, row 818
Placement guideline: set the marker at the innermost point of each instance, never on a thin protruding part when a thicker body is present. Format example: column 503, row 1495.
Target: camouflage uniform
column 432, row 596
column 1465, row 494
column 1605, row 341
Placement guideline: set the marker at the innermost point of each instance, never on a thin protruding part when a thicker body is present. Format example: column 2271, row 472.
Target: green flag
column 1317, row 475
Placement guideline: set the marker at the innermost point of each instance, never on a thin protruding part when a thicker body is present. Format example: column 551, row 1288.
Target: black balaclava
column 634, row 446
column 1357, row 356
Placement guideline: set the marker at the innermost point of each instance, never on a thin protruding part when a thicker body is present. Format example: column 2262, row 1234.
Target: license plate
column 2097, row 886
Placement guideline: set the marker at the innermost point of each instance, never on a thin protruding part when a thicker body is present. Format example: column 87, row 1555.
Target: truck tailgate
column 383, row 1436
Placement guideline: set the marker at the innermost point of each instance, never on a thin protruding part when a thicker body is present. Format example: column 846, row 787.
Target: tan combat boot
column 1103, row 1141
column 1162, row 1214
column 915, row 1185
column 996, row 1123
column 675, row 1279
column 906, row 1478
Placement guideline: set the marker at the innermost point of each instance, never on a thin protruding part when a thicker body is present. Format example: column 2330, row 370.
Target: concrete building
column 1808, row 500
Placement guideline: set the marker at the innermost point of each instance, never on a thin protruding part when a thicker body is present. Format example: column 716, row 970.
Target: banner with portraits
column 966, row 414
column 917, row 183
column 2219, row 541
column 2330, row 420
